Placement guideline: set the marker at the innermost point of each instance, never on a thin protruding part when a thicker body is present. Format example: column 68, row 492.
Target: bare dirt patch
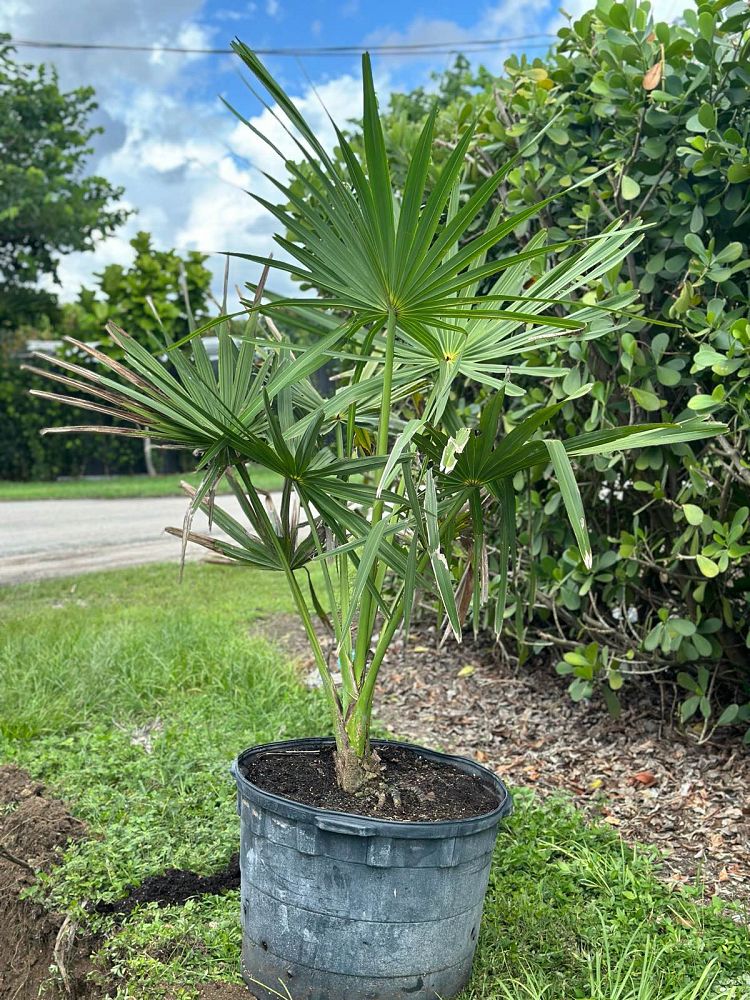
column 43, row 949
column 639, row 773
column 224, row 991
column 33, row 829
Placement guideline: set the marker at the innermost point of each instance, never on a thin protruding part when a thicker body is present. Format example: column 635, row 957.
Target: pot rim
column 355, row 823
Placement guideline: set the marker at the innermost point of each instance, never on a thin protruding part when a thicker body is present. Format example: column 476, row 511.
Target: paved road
column 46, row 538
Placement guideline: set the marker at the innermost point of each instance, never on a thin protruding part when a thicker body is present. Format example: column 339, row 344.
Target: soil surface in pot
column 411, row 788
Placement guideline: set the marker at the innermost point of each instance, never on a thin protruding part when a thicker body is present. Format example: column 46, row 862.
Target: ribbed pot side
column 337, row 906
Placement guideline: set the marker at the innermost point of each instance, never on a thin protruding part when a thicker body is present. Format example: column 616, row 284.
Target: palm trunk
column 148, row 458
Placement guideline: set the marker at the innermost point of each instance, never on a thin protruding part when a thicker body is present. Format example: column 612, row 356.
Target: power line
column 415, row 48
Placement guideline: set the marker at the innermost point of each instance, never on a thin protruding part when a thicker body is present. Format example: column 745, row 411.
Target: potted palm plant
column 365, row 862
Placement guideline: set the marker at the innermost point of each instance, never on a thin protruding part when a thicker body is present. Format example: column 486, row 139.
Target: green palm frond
column 373, row 254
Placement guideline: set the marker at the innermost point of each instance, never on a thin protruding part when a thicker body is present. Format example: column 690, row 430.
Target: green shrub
column 159, row 292
column 666, row 108
column 25, row 454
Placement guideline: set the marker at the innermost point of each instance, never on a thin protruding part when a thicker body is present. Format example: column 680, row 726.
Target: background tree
column 48, row 207
column 159, row 294
column 122, row 294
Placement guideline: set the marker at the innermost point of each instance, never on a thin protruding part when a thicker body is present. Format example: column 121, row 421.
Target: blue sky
column 182, row 158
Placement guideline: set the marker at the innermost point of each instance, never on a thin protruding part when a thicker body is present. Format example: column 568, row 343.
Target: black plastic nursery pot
column 337, row 906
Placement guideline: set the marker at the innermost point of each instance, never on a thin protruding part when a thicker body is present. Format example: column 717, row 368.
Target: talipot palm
column 383, row 477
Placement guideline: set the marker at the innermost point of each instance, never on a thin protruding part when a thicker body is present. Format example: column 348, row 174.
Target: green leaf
column 571, row 497
column 580, row 689
column 729, row 715
column 694, row 243
column 702, row 645
column 506, row 546
column 702, row 402
column 667, row 376
column 688, row 682
column 707, row 116
column 367, row 559
column 689, row 707
column 612, row 702
column 707, row 566
column 646, row 399
column 681, row 626
column 659, row 345
column 619, row 17
column 410, row 585
column 629, row 188
column 693, row 513
column 377, row 165
column 437, row 559
column 453, row 449
column 738, row 173
column 707, row 28
column 654, row 638
column 615, row 680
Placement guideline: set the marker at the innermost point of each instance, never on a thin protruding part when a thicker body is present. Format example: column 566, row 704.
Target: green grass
column 114, row 487
column 572, row 914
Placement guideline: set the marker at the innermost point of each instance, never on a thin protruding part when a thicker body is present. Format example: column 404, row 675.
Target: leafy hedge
column 25, row 454
column 158, row 291
column 666, row 110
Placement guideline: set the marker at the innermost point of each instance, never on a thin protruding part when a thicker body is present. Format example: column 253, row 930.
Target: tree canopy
column 49, row 206
column 159, row 293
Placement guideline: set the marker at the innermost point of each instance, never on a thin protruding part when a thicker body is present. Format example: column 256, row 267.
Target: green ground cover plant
column 571, row 913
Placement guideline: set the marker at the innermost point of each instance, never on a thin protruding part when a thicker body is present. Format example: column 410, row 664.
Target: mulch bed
column 640, row 774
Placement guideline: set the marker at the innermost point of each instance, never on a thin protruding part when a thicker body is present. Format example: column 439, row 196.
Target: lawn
column 572, row 913
column 114, row 487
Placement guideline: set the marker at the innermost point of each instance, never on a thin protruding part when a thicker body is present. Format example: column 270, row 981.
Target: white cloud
column 332, row 98
column 235, row 13
column 506, row 19
column 272, row 8
column 663, row 10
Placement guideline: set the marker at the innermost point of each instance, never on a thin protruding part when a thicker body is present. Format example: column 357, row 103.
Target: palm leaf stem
column 368, row 610
column 259, row 510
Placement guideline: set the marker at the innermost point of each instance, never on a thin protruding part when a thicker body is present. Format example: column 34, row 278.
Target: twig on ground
column 5, row 853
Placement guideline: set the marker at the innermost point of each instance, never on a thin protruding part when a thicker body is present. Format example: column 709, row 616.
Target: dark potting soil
column 411, row 788
column 174, row 887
